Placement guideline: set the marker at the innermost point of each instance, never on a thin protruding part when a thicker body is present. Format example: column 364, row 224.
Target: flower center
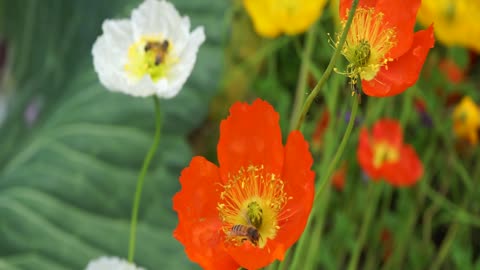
column 251, row 206
column 367, row 45
column 384, row 153
column 149, row 56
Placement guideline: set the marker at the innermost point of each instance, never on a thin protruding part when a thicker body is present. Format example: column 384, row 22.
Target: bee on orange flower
column 245, row 232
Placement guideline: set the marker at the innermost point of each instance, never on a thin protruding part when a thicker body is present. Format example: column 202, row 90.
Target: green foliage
column 67, row 181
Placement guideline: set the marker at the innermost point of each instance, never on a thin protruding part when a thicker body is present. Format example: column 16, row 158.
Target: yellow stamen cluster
column 384, row 153
column 367, row 45
column 252, row 197
column 149, row 56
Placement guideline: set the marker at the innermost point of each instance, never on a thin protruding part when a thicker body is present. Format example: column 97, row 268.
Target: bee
column 244, row 233
column 159, row 48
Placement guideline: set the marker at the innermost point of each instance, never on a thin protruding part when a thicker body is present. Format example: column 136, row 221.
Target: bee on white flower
column 111, row 263
column 152, row 53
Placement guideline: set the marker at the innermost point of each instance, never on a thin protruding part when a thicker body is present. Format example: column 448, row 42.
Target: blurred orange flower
column 339, row 176
column 454, row 73
column 382, row 154
column 381, row 47
column 466, row 120
column 272, row 17
column 320, row 129
column 248, row 211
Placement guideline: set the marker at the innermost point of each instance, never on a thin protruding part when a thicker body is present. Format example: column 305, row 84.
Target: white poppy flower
column 111, row 263
column 153, row 53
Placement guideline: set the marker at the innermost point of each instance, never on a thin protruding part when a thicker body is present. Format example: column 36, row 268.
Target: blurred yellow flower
column 466, row 120
column 274, row 17
column 456, row 21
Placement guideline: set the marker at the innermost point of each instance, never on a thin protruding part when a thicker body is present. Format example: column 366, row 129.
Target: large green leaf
column 67, row 183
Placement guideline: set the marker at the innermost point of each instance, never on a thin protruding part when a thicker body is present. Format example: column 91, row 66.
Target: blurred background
column 70, row 151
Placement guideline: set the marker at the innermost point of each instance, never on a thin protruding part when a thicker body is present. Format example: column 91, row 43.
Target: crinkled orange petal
column 365, row 155
column 388, row 130
column 407, row 171
column 199, row 227
column 347, row 4
column 400, row 15
column 251, row 135
column 404, row 71
column 299, row 184
column 253, row 258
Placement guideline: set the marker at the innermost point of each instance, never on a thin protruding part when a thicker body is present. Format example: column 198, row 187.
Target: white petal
column 179, row 73
column 155, row 17
column 110, row 52
column 111, row 263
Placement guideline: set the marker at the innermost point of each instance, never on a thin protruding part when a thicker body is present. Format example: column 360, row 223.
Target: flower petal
column 404, row 71
column 388, row 130
column 110, row 54
column 301, row 16
column 299, row 185
column 155, row 17
column 401, row 15
column 407, row 171
column 250, row 136
column 104, row 262
column 178, row 74
column 365, row 155
column 262, row 14
column 199, row 227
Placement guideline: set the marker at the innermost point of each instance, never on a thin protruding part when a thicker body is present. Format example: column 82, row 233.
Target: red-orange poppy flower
column 452, row 70
column 381, row 47
column 339, row 176
column 382, row 154
column 251, row 208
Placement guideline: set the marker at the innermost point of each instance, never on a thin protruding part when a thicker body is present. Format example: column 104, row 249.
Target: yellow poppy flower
column 456, row 21
column 466, row 120
column 274, row 17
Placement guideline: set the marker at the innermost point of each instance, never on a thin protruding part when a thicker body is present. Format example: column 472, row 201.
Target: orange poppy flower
column 452, row 70
column 251, row 208
column 339, row 176
column 381, row 47
column 382, row 154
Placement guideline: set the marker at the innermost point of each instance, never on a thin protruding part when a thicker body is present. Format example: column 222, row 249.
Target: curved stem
column 301, row 247
column 302, row 77
column 325, row 180
column 331, row 65
column 141, row 178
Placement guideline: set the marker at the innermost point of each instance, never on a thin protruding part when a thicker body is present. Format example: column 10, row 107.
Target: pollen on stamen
column 367, row 46
column 254, row 198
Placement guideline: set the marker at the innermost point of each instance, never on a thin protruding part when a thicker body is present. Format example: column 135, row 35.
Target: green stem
column 302, row 77
column 325, row 180
column 445, row 248
column 373, row 194
column 301, row 247
column 141, row 178
column 328, row 71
